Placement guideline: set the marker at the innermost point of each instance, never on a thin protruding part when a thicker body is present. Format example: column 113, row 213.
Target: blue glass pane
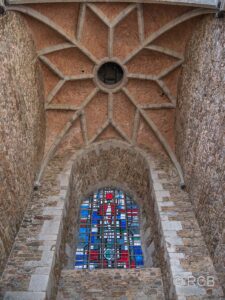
column 109, row 233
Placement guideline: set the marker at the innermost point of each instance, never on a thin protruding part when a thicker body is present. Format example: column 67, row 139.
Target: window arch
column 109, row 232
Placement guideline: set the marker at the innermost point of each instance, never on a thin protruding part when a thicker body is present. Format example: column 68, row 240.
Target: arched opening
column 109, row 170
column 109, row 232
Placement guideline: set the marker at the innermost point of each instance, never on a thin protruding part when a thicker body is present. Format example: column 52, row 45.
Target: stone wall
column 35, row 262
column 22, row 125
column 200, row 124
column 111, row 284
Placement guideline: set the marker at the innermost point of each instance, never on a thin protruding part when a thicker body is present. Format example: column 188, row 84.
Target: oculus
column 110, row 73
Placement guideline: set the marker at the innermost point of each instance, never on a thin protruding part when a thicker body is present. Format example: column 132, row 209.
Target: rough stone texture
column 22, row 125
column 36, row 248
column 113, row 164
column 38, row 254
column 187, row 269
column 200, row 125
column 36, row 259
column 111, row 284
column 169, row 213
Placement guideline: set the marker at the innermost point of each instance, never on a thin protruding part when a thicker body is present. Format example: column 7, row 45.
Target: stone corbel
column 2, row 7
column 221, row 8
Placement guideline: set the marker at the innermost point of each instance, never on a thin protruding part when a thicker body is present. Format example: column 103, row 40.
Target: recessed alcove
column 110, row 167
column 116, row 168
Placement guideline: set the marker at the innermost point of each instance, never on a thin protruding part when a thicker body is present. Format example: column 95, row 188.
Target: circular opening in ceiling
column 110, row 74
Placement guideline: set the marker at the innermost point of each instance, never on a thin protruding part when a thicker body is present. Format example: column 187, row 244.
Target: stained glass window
column 109, row 233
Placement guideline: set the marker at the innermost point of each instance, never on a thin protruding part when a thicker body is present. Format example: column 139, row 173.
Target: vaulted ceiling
column 146, row 40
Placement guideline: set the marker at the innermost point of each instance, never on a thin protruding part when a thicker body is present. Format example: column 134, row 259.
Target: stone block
column 52, row 211
column 161, row 194
column 24, row 296
column 47, row 257
column 157, row 186
column 171, row 225
column 42, row 271
column 47, row 237
column 50, row 227
column 173, row 242
column 190, row 291
column 165, row 203
column 38, row 283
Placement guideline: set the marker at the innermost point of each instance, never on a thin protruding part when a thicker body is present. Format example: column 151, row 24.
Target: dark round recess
column 110, row 73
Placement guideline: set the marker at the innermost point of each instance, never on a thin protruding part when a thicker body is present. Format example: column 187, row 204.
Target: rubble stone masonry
column 111, row 284
column 34, row 265
column 200, row 123
column 22, row 125
column 97, row 138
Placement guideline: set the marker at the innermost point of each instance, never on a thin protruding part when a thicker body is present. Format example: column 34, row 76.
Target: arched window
column 109, row 233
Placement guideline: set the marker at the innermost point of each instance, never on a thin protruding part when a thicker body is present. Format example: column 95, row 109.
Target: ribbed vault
column 147, row 40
